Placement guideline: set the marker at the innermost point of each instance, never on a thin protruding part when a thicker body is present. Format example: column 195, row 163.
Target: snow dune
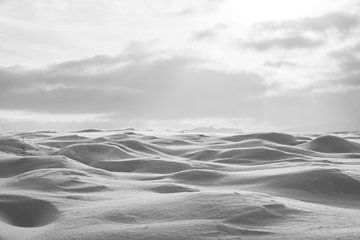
column 128, row 184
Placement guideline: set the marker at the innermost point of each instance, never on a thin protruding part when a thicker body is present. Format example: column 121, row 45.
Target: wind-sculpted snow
column 129, row 184
column 332, row 144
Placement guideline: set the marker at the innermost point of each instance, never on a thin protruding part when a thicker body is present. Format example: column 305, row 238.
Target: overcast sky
column 255, row 65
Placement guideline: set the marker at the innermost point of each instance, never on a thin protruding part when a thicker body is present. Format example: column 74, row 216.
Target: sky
column 177, row 64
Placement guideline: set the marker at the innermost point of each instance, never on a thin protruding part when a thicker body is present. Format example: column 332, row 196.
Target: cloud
column 323, row 109
column 134, row 52
column 284, row 42
column 341, row 22
column 206, row 34
column 127, row 87
column 210, row 33
column 279, row 64
column 303, row 33
column 348, row 62
column 206, row 6
column 153, row 90
column 348, row 58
